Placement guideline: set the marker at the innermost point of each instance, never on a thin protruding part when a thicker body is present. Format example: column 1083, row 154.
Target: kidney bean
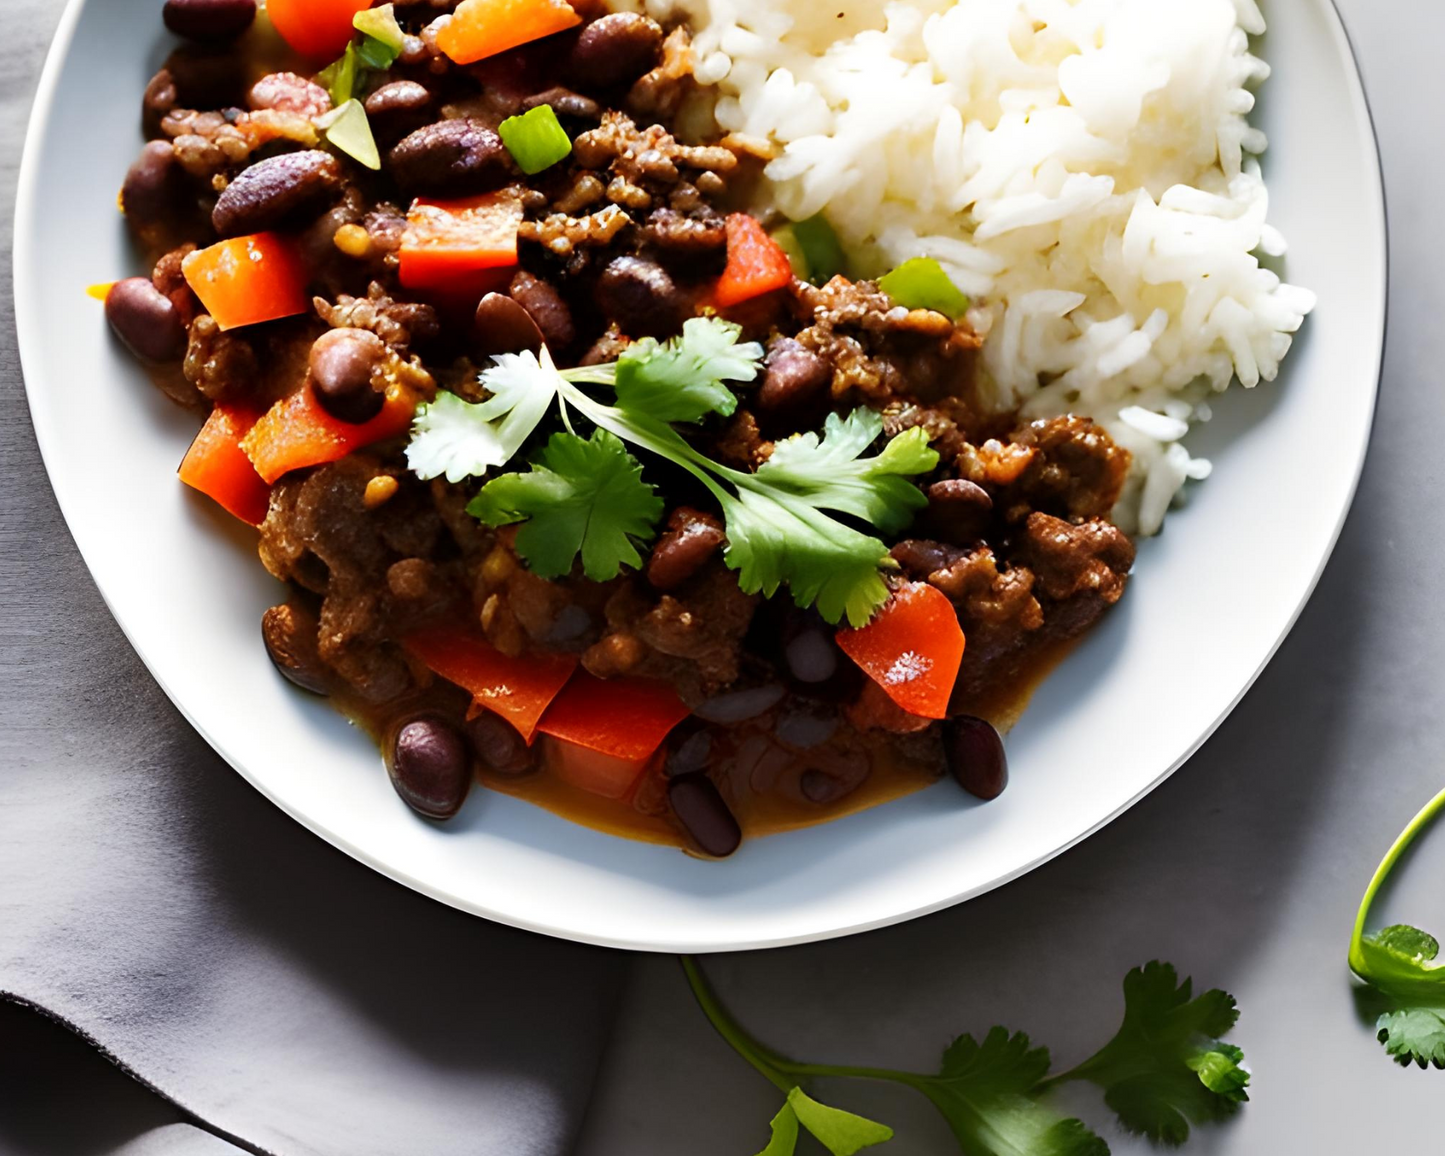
column 615, row 50
column 208, row 76
column 796, row 389
column 290, row 637
column 692, row 537
column 958, row 511
column 430, row 767
column 641, row 297
column 212, row 21
column 975, row 756
column 287, row 92
column 342, row 361
column 277, row 191
column 503, row 326
column 153, row 186
column 397, row 108
column 498, row 746
column 547, row 309
column 704, row 815
column 921, row 557
column 146, row 320
column 452, row 156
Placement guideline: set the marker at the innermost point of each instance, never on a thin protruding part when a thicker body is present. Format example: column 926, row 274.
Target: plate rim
column 28, row 197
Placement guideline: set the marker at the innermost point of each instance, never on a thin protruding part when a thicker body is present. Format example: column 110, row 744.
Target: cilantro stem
column 1387, row 864
column 776, row 1067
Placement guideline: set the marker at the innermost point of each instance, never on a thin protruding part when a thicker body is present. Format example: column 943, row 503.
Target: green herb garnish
column 922, row 284
column 348, row 129
column 581, row 497
column 536, row 139
column 1399, row 963
column 993, row 1093
column 780, row 521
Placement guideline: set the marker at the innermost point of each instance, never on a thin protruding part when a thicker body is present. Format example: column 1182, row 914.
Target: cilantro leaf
column 461, row 439
column 832, row 473
column 984, row 1092
column 774, row 541
column 784, row 1141
column 684, row 379
column 842, row 1133
column 1165, row 1069
column 581, row 496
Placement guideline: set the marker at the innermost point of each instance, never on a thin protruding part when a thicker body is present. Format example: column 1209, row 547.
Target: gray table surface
column 1244, row 869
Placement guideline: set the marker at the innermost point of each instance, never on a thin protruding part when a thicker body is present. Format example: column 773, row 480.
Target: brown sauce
column 643, row 816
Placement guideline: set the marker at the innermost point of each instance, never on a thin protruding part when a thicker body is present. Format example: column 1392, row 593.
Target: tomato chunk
column 606, row 775
column 912, row 649
column 482, row 28
column 319, row 29
column 756, row 263
column 218, row 467
column 624, row 717
column 247, row 280
column 461, row 247
column 296, row 432
column 518, row 689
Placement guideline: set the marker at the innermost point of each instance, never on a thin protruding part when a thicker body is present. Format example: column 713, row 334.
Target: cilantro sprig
column 1161, row 1071
column 1399, row 964
column 782, row 523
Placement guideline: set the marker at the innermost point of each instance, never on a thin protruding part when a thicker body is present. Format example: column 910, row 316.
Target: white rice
column 1083, row 168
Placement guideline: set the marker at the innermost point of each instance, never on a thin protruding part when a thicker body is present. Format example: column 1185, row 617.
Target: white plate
column 1162, row 672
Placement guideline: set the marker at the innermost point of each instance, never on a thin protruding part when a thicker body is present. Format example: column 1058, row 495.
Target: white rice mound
column 1084, row 169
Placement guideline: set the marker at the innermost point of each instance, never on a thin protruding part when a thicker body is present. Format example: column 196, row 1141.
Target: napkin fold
column 149, row 898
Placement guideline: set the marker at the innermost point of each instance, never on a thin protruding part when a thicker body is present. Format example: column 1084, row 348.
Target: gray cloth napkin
column 149, row 898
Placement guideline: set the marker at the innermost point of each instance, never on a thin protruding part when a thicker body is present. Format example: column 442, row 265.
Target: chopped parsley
column 781, row 524
column 1162, row 1070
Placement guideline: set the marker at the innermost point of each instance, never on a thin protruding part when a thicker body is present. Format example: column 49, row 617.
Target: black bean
column 342, row 361
column 290, row 638
column 547, row 308
column 498, row 746
column 812, row 656
column 208, row 76
column 451, row 156
column 153, row 186
column 689, row 748
column 641, row 297
column 796, row 389
column 209, row 20
column 704, row 815
column 503, row 326
column 820, row 787
column 615, row 50
column 430, row 767
column 565, row 102
column 146, row 320
column 976, row 756
column 277, row 191
column 397, row 108
column 692, row 538
column 958, row 511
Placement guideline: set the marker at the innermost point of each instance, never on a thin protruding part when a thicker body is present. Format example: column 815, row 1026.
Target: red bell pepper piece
column 319, row 29
column 912, row 649
column 482, row 28
column 518, row 689
column 461, row 248
column 592, row 771
column 756, row 263
column 218, row 467
column 624, row 717
column 296, row 432
column 247, row 280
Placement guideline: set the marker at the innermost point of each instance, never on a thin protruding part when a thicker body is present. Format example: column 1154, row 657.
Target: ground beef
column 1076, row 471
